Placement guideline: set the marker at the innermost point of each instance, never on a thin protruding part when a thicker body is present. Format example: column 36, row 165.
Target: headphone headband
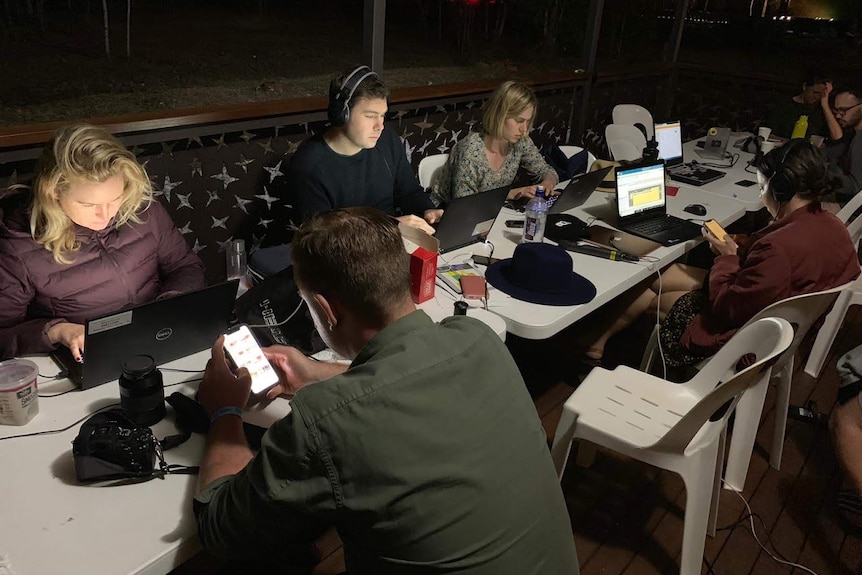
column 340, row 96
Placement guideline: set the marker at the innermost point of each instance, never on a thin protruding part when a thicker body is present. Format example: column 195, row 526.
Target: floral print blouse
column 467, row 170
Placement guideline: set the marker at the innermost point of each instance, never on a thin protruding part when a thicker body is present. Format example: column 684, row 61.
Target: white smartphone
column 244, row 351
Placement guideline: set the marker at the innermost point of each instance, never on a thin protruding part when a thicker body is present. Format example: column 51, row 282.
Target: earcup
column 338, row 111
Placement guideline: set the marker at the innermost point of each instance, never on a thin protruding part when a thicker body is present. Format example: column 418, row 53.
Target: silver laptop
column 668, row 135
column 165, row 329
column 467, row 219
column 715, row 144
column 642, row 205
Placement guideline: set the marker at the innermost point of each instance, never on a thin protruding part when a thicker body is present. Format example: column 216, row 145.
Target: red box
column 423, row 262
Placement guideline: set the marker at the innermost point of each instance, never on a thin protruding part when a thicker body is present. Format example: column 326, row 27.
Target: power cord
column 62, row 430
column 777, row 556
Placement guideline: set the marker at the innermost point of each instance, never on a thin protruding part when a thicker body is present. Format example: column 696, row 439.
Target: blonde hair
column 82, row 153
column 509, row 100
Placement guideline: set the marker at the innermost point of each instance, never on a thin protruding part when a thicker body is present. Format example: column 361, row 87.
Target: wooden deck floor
column 627, row 517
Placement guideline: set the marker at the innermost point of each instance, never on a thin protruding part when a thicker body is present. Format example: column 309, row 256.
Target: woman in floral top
column 490, row 159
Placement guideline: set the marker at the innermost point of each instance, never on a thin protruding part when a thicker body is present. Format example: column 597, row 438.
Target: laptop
column 165, row 329
column 668, row 135
column 642, row 205
column 694, row 174
column 715, row 145
column 577, row 191
column 467, row 219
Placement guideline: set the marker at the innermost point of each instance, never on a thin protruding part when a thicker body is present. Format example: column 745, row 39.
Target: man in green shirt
column 425, row 453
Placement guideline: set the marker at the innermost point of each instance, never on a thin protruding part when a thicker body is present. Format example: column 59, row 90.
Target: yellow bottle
column 800, row 128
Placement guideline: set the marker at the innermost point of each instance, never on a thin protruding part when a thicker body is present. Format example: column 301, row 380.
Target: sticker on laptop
column 483, row 227
column 109, row 323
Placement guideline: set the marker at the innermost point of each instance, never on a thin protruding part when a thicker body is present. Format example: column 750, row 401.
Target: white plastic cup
column 767, row 146
column 764, row 132
column 19, row 398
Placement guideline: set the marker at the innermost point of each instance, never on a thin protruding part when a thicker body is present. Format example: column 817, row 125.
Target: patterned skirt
column 673, row 327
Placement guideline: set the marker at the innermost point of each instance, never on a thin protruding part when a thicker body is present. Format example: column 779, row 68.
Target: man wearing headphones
column 355, row 161
column 845, row 155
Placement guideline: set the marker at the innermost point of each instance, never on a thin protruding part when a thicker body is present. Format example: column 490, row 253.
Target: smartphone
column 514, row 223
column 715, row 229
column 484, row 260
column 244, row 351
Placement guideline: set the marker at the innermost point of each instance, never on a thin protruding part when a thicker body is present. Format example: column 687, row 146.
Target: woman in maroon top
column 87, row 240
column 805, row 249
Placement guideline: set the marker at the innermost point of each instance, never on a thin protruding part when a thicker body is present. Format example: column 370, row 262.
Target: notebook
column 642, row 205
column 694, row 174
column 577, row 191
column 467, row 219
column 165, row 329
column 668, row 135
column 715, row 145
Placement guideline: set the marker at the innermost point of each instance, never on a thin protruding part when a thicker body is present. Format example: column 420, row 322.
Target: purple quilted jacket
column 114, row 268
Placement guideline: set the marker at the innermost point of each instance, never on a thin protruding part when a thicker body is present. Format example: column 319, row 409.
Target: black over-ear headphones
column 339, row 95
column 782, row 181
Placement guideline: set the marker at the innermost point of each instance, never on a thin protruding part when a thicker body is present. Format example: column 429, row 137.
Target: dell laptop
column 165, row 329
column 642, row 205
column 668, row 136
column 467, row 219
column 577, row 191
column 715, row 145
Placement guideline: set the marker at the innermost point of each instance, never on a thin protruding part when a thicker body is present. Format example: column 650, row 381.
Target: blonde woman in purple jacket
column 87, row 239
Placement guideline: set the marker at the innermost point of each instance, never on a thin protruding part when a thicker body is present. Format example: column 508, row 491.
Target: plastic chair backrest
column 634, row 115
column 767, row 339
column 850, row 208
column 625, row 141
column 429, row 168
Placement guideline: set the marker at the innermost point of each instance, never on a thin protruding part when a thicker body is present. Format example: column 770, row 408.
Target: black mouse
column 696, row 209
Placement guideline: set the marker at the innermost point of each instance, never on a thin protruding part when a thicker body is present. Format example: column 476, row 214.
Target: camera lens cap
column 138, row 366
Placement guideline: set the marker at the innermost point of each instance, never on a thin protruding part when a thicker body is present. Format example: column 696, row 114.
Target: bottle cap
column 540, row 191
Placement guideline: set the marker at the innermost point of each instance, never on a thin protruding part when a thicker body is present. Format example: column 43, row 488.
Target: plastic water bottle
column 237, row 266
column 536, row 215
column 800, row 128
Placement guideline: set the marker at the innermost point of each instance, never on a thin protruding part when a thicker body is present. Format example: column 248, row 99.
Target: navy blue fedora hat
column 541, row 273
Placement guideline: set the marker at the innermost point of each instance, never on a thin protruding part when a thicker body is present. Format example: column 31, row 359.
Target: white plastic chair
column 670, row 425
column 850, row 297
column 570, row 151
column 801, row 312
column 429, row 169
column 625, row 141
column 634, row 115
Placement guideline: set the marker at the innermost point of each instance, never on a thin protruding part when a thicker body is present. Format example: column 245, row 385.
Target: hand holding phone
column 715, row 229
column 244, row 351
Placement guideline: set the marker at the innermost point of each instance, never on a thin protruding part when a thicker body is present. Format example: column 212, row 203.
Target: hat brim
column 582, row 290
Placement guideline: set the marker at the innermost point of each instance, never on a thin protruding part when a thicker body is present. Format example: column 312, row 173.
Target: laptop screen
column 669, row 138
column 640, row 188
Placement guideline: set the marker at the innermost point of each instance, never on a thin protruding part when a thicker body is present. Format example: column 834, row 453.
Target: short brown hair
column 357, row 256
column 508, row 101
column 371, row 87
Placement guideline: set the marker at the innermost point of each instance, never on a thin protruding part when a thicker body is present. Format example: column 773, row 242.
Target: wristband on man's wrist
column 226, row 410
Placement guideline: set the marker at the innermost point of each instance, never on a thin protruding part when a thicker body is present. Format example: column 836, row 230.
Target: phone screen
column 245, row 352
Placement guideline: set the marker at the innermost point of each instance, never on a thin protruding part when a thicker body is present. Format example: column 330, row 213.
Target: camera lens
column 142, row 390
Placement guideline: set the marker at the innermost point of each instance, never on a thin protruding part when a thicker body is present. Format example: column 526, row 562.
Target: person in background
column 700, row 311
column 425, row 452
column 490, row 159
column 812, row 101
column 846, row 426
column 845, row 155
column 355, row 161
column 86, row 240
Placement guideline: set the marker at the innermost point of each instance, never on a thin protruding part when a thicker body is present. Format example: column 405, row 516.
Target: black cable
column 197, row 380
column 59, row 393
column 181, row 370
column 61, row 375
column 56, row 431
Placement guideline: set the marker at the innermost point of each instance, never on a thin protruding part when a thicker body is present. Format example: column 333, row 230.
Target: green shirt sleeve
column 284, row 494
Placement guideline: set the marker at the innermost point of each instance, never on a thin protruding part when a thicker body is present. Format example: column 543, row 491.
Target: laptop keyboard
column 694, row 174
column 660, row 226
